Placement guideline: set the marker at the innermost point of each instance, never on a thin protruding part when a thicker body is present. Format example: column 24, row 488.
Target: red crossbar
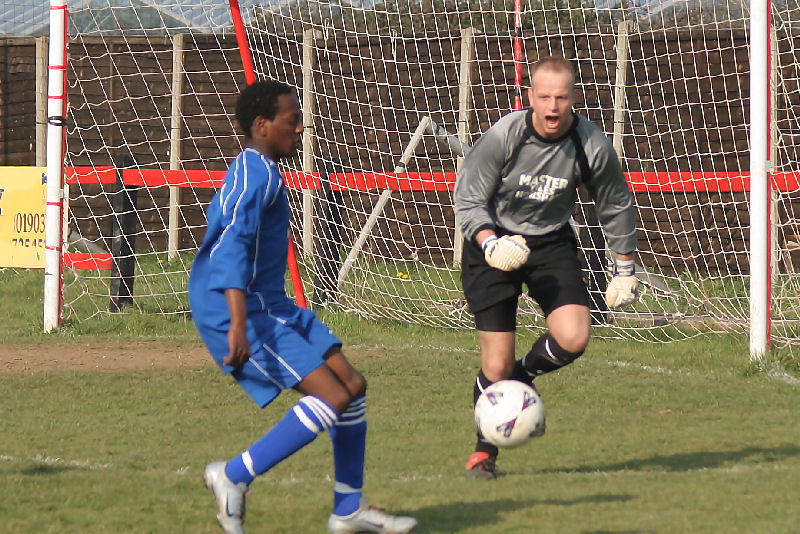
column 88, row 261
column 669, row 182
column 639, row 182
column 407, row 181
column 90, row 175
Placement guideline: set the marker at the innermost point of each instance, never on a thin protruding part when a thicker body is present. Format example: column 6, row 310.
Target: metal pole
column 56, row 120
column 517, row 54
column 250, row 77
column 620, row 103
column 382, row 200
column 759, row 180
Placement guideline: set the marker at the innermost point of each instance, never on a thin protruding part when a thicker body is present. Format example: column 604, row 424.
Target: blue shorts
column 287, row 343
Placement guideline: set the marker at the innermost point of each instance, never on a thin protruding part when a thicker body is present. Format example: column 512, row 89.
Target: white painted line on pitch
column 424, row 478
column 443, row 348
column 779, row 374
column 732, row 469
column 54, row 460
column 775, row 373
column 643, row 367
column 84, row 464
column 416, row 347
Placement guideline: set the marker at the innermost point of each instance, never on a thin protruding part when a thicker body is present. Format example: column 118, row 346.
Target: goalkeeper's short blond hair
column 553, row 64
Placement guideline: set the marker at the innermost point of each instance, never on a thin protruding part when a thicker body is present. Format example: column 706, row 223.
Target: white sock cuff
column 355, row 412
column 247, row 460
column 315, row 414
column 478, row 382
column 345, row 489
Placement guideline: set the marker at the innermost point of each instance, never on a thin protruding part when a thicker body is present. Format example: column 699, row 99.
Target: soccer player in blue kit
column 261, row 338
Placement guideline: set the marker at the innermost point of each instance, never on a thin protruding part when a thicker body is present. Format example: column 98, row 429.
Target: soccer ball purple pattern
column 509, row 413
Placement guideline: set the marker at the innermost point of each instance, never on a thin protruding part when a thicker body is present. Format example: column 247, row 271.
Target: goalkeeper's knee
column 547, row 356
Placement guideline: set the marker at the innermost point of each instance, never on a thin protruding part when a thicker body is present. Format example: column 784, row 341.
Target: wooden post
column 41, row 101
column 123, row 241
column 773, row 165
column 175, row 143
column 590, row 234
column 309, row 101
column 620, row 103
column 464, row 109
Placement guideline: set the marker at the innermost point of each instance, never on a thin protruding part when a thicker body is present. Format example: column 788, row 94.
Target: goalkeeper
column 514, row 198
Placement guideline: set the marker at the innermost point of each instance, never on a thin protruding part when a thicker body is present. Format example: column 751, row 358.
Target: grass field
column 642, row 438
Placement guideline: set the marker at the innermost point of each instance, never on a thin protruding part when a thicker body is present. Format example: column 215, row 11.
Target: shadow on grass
column 51, row 466
column 44, row 469
column 690, row 461
column 456, row 516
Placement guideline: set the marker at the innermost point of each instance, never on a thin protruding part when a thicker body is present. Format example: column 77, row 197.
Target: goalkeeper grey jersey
column 514, row 179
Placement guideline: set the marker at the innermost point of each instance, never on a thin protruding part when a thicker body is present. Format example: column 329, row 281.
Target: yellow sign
column 22, row 207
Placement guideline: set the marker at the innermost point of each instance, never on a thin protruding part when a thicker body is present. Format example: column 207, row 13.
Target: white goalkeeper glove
column 506, row 253
column 622, row 290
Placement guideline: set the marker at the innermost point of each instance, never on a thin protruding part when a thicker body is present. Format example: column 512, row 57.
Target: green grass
column 21, row 316
column 686, row 437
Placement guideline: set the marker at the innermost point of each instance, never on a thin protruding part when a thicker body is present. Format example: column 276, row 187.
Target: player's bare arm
column 238, row 346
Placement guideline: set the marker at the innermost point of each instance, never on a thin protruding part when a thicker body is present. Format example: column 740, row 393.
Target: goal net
column 393, row 93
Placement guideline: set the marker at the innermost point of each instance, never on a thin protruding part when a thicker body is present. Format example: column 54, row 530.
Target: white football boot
column 230, row 498
column 368, row 519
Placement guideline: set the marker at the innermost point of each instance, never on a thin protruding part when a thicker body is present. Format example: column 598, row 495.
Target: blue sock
column 298, row 428
column 349, row 437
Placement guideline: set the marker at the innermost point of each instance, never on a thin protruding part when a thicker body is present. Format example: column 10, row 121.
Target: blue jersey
column 245, row 248
column 246, row 242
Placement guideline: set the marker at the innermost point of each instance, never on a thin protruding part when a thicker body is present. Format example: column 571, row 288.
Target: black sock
column 520, row 374
column 481, row 445
column 546, row 356
column 481, row 383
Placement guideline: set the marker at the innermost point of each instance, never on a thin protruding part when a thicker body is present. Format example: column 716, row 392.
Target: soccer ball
column 509, row 413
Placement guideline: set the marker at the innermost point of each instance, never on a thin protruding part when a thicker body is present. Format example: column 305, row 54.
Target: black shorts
column 552, row 274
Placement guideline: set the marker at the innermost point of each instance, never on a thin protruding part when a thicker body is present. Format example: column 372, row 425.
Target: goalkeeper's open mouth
column 552, row 122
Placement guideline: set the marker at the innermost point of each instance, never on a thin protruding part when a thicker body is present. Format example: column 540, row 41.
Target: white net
column 152, row 88
column 785, row 157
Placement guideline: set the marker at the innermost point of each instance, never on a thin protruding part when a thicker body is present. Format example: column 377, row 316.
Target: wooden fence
column 685, row 111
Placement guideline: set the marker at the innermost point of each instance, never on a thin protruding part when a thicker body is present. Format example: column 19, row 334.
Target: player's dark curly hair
column 259, row 99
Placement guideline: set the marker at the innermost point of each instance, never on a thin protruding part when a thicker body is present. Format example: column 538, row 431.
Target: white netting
column 667, row 81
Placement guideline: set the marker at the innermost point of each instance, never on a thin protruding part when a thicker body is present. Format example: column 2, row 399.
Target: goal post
column 760, row 196
column 56, row 120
